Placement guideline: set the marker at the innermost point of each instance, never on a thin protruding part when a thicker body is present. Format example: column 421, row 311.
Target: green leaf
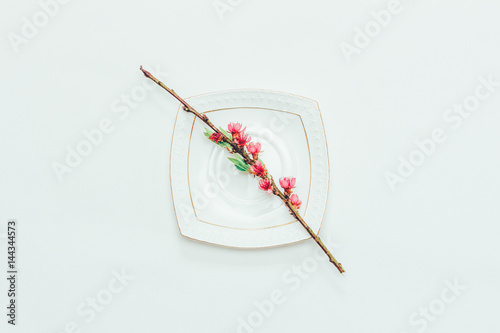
column 239, row 158
column 239, row 163
column 241, row 169
column 207, row 133
column 224, row 144
column 229, row 136
column 236, row 161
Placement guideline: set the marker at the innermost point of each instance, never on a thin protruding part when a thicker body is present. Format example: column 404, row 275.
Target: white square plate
column 216, row 203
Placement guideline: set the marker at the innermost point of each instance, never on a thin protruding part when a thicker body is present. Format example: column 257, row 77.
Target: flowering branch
column 246, row 159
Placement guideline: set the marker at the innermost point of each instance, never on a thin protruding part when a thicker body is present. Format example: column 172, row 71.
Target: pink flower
column 258, row 169
column 254, row 149
column 265, row 185
column 235, row 128
column 287, row 183
column 243, row 139
column 215, row 137
column 294, row 200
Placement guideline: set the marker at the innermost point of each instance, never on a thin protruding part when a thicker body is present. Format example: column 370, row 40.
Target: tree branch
column 250, row 161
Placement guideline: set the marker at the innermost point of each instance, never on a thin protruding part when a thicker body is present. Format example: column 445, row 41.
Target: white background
column 114, row 212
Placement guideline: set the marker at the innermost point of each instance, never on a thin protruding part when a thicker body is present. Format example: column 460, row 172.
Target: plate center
column 224, row 196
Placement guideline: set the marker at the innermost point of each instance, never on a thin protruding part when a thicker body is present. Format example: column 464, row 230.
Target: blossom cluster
column 236, row 134
column 288, row 183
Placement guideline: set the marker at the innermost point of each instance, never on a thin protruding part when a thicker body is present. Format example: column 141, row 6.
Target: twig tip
column 146, row 73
